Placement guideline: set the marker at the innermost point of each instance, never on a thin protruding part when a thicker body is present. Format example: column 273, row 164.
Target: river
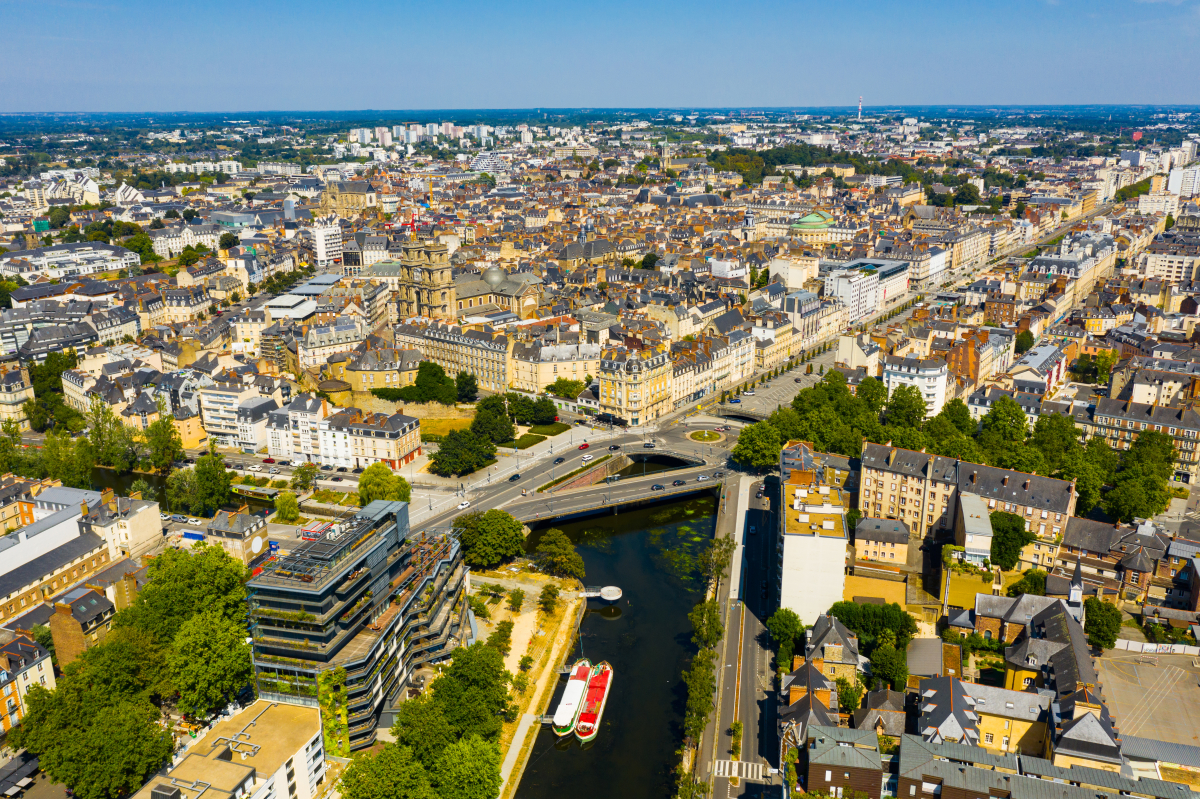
column 651, row 553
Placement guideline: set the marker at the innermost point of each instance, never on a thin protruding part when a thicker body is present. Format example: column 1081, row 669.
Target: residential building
column 484, row 353
column 219, row 405
column 857, row 289
column 829, row 642
column 386, row 601
column 927, row 375
column 536, row 365
column 252, row 423
column 15, row 390
column 243, row 535
column 355, row 439
column 635, row 383
column 294, row 431
column 82, row 619
column 813, row 539
column 22, row 663
column 881, row 541
column 1041, row 370
column 320, row 342
column 1120, row 422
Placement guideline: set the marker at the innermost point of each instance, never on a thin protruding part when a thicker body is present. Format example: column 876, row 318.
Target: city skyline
column 308, row 57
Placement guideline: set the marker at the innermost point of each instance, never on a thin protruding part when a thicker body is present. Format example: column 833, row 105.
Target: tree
column 392, row 772
column 890, row 665
column 906, row 407
column 543, row 411
column 421, row 726
column 1033, row 582
column 182, row 583
column 957, row 413
column 468, row 769
column 1138, row 492
column 467, row 387
column 378, row 482
column 501, row 637
column 1024, row 342
column 213, row 484
column 1005, row 420
column 707, row 629
column 1102, row 622
column 473, row 692
column 304, row 476
column 566, row 389
column 141, row 487
column 68, row 460
column 873, row 394
column 1054, row 435
column 849, row 694
column 870, row 621
column 548, row 598
column 758, row 446
column 516, row 599
column 228, row 240
column 1009, row 537
column 462, row 452
column 784, row 626
column 1105, row 360
column 492, row 422
column 210, row 662
column 181, row 490
column 432, row 385
column 489, row 538
column 163, row 440
column 556, row 555
column 287, row 509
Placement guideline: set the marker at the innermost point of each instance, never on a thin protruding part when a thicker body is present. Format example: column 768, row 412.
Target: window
column 987, row 737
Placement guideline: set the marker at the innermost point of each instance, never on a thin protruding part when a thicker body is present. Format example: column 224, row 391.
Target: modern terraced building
column 342, row 621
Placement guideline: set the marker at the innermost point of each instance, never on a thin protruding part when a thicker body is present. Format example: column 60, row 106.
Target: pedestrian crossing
column 742, row 769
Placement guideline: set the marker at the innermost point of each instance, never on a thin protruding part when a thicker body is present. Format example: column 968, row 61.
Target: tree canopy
column 556, row 555
column 489, row 538
column 378, row 482
column 1009, row 537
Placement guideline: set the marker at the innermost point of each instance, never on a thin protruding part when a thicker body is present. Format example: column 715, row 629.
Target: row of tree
column 834, row 420
column 181, row 644
column 432, row 384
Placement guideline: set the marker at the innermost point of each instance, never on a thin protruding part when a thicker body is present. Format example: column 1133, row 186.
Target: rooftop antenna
column 860, row 108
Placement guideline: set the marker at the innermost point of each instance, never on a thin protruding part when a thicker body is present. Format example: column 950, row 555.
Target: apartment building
column 248, row 326
column 22, row 663
column 536, row 365
column 293, row 432
column 185, row 304
column 775, row 340
column 82, row 619
column 1041, row 370
column 1171, row 256
column 219, row 405
column 1120, row 422
column 482, row 353
column 857, row 289
column 928, row 375
column 386, row 601
column 635, row 383
column 355, row 439
column 320, row 342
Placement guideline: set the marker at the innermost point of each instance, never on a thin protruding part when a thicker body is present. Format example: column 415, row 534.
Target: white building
column 294, row 432
column 326, row 241
column 1184, row 181
column 812, row 535
column 1158, row 202
column 928, row 375
column 730, row 269
column 858, row 290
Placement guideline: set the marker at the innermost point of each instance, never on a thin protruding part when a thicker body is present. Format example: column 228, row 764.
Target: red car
column 268, row 460
column 583, row 446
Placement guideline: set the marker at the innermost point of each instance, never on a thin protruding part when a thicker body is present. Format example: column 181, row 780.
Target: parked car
column 759, row 495
column 559, row 460
column 285, row 463
column 342, row 469
column 584, row 445
column 464, row 505
column 178, row 518
column 718, row 475
column 657, row 487
column 327, row 468
column 336, row 479
column 196, row 522
column 514, row 478
column 679, row 483
column 164, row 516
column 356, row 470
column 753, row 530
column 748, row 393
column 798, row 380
column 274, row 470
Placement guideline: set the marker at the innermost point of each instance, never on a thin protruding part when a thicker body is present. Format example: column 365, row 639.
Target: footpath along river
column 652, row 554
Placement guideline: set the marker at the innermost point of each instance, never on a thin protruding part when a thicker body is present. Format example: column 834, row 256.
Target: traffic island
column 706, row 436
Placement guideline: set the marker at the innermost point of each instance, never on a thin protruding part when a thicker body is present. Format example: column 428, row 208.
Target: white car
column 256, row 468
column 464, row 505
column 196, row 522
column 164, row 516
column 587, row 458
column 702, row 477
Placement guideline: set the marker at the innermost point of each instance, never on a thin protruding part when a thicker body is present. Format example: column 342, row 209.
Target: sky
column 224, row 56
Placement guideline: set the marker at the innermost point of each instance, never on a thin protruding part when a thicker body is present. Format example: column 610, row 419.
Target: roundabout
column 706, row 436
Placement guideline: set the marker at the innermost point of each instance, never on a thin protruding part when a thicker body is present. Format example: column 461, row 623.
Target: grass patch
column 247, row 480
column 279, row 484
column 704, row 435
column 1179, row 492
column 329, row 497
column 549, row 429
column 524, row 442
column 569, row 475
column 440, row 427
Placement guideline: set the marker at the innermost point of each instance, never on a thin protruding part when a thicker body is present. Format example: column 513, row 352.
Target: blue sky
column 217, row 55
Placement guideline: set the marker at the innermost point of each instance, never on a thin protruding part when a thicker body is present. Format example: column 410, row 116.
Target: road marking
column 1154, row 697
column 737, row 686
column 742, row 769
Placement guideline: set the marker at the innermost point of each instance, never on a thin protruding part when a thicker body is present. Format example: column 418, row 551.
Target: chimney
column 973, row 474
column 1005, row 480
column 1026, row 486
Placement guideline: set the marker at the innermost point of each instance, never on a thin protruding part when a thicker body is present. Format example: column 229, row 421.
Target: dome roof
column 494, row 276
column 817, row 219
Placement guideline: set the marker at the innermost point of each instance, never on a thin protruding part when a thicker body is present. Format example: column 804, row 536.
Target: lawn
column 704, row 435
column 964, row 587
column 552, row 429
column 524, row 442
column 440, row 427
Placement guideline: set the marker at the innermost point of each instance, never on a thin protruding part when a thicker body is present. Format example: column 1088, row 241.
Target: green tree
column 422, row 727
column 210, row 662
column 181, row 490
column 548, row 598
column 890, row 665
column 214, row 485
column 378, row 482
column 849, row 694
column 1024, row 342
column 489, row 538
column 462, row 452
column 304, row 476
column 566, row 389
column 556, row 555
column 287, row 509
column 183, row 582
column 1006, row 421
column 1032, row 582
column 163, row 441
column 473, row 692
column 1138, row 492
column 501, row 637
column 516, row 598
column 68, row 460
column 906, row 407
column 957, row 413
column 492, row 422
column 758, row 446
column 1101, row 622
column 873, row 394
column 1105, row 361
column 228, row 240
column 1009, row 537
column 466, row 386
column 468, row 769
column 785, row 626
column 707, row 629
column 1054, row 435
column 392, row 772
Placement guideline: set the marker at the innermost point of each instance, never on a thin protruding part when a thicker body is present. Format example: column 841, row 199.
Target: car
column 342, row 469
column 256, row 468
column 798, row 380
column 614, row 447
column 587, row 458
column 164, row 516
column 648, row 445
column 327, row 468
column 189, row 461
column 559, row 460
column 584, row 445
column 657, row 487
column 514, row 478
column 284, row 463
column 759, row 495
column 464, row 505
column 718, row 475
column 196, row 522
column 679, row 483
column 748, row 393
column 268, row 460
column 274, row 470
column 335, row 479
column 753, row 530
column 734, row 401
column 178, row 518
column 356, row 470
column 701, row 478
